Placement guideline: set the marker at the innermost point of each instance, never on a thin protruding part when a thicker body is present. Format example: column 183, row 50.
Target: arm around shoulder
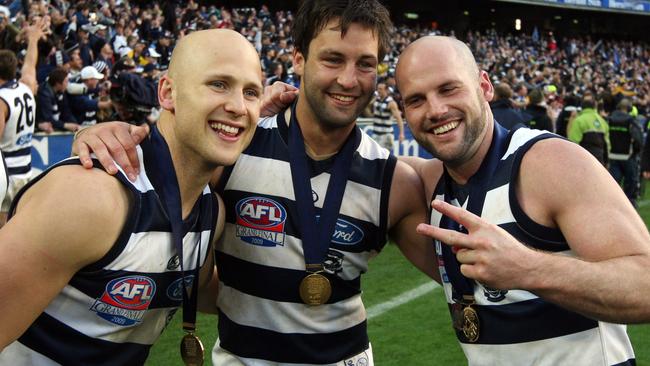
column 407, row 208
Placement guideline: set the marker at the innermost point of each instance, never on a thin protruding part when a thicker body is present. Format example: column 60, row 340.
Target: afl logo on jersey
column 125, row 300
column 260, row 221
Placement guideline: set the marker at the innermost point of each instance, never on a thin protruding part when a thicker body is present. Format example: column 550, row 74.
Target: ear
column 486, row 85
column 298, row 63
column 166, row 93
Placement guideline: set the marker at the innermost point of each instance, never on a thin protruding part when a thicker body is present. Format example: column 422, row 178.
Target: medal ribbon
column 163, row 177
column 463, row 287
column 317, row 233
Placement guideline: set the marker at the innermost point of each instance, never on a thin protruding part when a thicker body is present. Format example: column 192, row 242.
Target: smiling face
column 214, row 93
column 445, row 98
column 338, row 76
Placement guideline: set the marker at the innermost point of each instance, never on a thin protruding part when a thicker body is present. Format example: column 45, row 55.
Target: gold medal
column 470, row 324
column 315, row 289
column 192, row 351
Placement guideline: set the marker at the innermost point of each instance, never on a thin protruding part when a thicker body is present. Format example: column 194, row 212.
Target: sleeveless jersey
column 516, row 326
column 16, row 141
column 112, row 311
column 261, row 261
column 382, row 117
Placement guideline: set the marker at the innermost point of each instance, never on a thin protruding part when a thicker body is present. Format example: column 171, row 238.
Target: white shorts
column 222, row 357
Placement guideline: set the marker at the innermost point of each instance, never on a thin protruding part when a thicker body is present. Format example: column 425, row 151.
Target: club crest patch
column 125, row 300
column 260, row 221
column 175, row 289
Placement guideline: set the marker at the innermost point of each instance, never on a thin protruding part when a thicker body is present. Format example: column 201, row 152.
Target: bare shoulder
column 562, row 185
column 557, row 167
column 80, row 212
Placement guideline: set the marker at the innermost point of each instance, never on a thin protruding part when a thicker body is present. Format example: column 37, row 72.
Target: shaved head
column 197, row 50
column 450, row 47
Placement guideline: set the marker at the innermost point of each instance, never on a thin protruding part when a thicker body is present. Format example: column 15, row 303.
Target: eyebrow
column 333, row 52
column 230, row 78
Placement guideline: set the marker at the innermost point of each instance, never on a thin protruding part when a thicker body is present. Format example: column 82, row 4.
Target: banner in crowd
column 635, row 6
column 49, row 149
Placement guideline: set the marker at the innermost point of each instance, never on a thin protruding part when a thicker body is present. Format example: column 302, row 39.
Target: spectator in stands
column 537, row 112
column 590, row 130
column 85, row 106
column 164, row 47
column 104, row 52
column 276, row 72
column 520, row 97
column 53, row 109
column 502, row 108
column 626, row 137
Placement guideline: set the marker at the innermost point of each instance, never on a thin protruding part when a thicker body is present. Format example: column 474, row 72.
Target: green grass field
column 416, row 333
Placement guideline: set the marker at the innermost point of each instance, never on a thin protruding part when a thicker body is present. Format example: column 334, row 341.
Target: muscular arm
column 66, row 221
column 608, row 280
column 407, row 209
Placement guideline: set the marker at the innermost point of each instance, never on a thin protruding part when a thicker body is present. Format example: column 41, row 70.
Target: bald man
column 537, row 272
column 92, row 266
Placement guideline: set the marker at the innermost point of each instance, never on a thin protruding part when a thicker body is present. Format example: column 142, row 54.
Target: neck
column 464, row 171
column 191, row 172
column 320, row 139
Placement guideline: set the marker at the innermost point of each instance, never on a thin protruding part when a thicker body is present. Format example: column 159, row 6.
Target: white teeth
column 446, row 127
column 218, row 126
column 342, row 98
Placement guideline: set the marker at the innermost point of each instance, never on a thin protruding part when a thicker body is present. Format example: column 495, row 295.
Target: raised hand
column 487, row 253
column 277, row 97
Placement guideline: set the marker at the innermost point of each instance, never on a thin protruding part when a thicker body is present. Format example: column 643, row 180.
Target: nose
column 348, row 77
column 435, row 108
column 236, row 103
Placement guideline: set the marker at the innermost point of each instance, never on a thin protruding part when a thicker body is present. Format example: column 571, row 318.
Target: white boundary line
column 403, row 298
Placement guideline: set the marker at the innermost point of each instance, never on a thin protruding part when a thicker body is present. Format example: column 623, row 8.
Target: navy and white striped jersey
column 382, row 117
column 112, row 311
column 260, row 258
column 16, row 140
column 516, row 326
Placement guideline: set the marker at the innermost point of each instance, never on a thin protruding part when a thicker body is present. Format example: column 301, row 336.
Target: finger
column 84, row 155
column 469, row 271
column 460, row 215
column 129, row 143
column 118, row 153
column 97, row 146
column 139, row 133
column 446, row 236
column 288, row 97
column 466, row 256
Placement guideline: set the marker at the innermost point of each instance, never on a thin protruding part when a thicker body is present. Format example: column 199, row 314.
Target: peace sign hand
column 487, row 253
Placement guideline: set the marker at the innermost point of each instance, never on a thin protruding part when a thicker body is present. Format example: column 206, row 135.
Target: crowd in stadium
column 505, row 218
column 116, row 36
